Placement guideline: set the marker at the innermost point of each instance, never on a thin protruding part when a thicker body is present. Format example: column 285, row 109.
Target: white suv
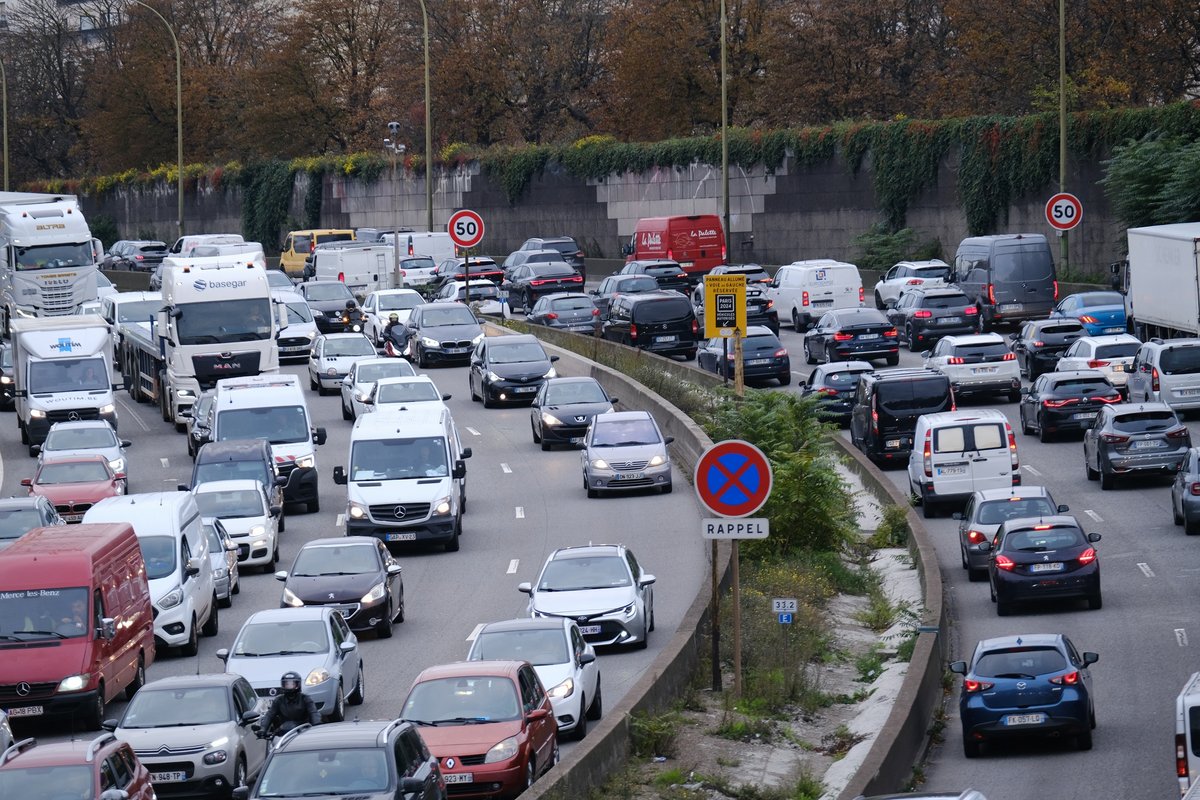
column 977, row 364
column 899, row 278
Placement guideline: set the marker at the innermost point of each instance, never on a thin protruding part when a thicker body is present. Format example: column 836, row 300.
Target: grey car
column 223, row 553
column 314, row 641
column 1185, row 493
column 987, row 510
column 602, row 587
column 85, row 437
column 20, row 515
column 1134, row 438
column 194, row 734
column 625, row 450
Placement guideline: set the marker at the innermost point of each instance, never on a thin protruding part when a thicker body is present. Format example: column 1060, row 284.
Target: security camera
column 394, row 127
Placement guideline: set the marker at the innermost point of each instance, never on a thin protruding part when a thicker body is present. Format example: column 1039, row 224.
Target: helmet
column 393, row 317
column 351, row 304
column 290, row 683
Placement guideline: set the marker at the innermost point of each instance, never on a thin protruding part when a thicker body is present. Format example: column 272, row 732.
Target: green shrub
column 893, row 528
column 654, row 735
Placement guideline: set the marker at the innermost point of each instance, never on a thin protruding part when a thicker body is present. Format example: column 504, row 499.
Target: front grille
column 472, row 761
column 455, row 789
column 631, row 466
column 35, row 691
column 636, row 482
column 301, row 341
column 164, row 751
column 347, row 610
column 285, row 467
column 270, row 691
column 412, row 511
column 60, row 301
column 462, row 343
column 71, row 414
column 72, row 508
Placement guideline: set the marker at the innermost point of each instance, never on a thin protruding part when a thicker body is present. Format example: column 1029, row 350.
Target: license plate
column 982, row 370
column 168, row 777
column 664, row 338
column 458, row 777
column 400, row 537
column 589, row 630
column 524, row 389
column 1084, row 415
column 1147, row 444
column 25, row 711
column 1024, row 719
column 822, row 302
column 629, row 476
column 1114, row 330
column 71, row 517
column 1053, row 566
column 686, row 264
column 892, row 443
column 952, row 470
column 949, row 320
column 868, row 336
column 1011, row 307
column 458, row 349
column 756, row 361
column 1187, row 392
column 576, row 440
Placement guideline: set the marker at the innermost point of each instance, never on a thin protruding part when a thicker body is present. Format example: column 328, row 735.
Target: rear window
column 573, row 304
column 550, row 270
column 945, row 301
column 997, row 511
column 1145, row 421
column 846, row 379
column 1092, row 299
column 568, row 248
column 961, row 438
column 933, row 273
column 1022, row 263
column 1117, row 350
column 1082, row 385
column 1180, row 360
column 664, row 269
column 914, row 397
column 1062, row 329
column 1037, row 541
column 662, row 310
column 763, row 341
column 982, row 349
column 153, row 248
column 334, row 237
column 1019, row 662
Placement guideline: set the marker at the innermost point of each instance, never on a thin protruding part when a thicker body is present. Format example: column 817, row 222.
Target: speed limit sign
column 1064, row 211
column 465, row 228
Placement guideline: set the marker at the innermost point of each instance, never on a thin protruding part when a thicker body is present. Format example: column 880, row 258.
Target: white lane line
column 341, row 520
column 1032, row 471
column 165, row 463
column 133, row 414
column 475, row 631
column 512, row 566
column 520, row 512
column 1145, row 568
column 1093, row 515
column 472, row 431
column 506, row 469
column 1181, row 637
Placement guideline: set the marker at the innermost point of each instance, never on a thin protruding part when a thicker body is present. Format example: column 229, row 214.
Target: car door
column 244, row 701
column 646, row 592
column 541, row 732
column 817, row 337
column 478, row 365
column 1031, row 400
column 1020, row 347
column 589, row 673
column 1182, row 478
column 314, row 357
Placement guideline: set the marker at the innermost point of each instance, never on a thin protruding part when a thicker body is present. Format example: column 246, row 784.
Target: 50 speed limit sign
column 1064, row 211
column 465, row 228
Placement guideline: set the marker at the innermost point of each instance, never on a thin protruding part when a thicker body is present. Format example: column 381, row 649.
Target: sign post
column 466, row 230
column 725, row 317
column 733, row 480
column 1064, row 212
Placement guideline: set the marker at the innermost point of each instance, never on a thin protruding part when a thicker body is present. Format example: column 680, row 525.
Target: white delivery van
column 272, row 407
column 805, row 290
column 420, row 253
column 1187, row 735
column 957, row 453
column 185, row 244
column 406, row 479
column 175, row 549
column 364, row 268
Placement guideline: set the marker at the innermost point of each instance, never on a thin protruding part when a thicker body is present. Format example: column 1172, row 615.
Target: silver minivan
column 1166, row 372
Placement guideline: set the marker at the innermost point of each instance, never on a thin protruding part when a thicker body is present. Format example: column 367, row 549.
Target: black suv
column 571, row 252
column 886, row 406
column 668, row 274
column 371, row 759
column 662, row 322
column 926, row 314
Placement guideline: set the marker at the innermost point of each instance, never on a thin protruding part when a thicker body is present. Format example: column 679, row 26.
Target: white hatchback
column 357, row 384
column 906, row 274
column 400, row 393
column 251, row 521
column 332, row 356
column 379, row 306
column 977, row 364
column 1112, row 355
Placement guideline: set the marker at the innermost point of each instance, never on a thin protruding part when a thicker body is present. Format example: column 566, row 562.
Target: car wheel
column 1190, row 527
column 422, row 362
column 808, row 356
column 1176, row 517
column 226, row 601
column 237, row 583
column 339, row 706
column 360, row 689
column 213, row 624
column 928, row 509
column 239, row 772
column 313, row 505
column 1014, row 396
column 796, row 322
column 581, row 724
column 384, row 629
column 312, row 383
column 893, row 359
column 596, row 709
column 192, row 646
column 530, row 772
column 93, row 718
column 1091, row 473
column 1107, row 480
column 1096, row 602
column 911, row 338
column 1003, row 608
column 1043, row 434
column 1084, row 740
column 139, row 678
column 970, row 747
column 879, row 302
column 400, row 611
column 1025, row 429
column 452, row 544
column 643, row 642
column 592, row 493
column 346, row 414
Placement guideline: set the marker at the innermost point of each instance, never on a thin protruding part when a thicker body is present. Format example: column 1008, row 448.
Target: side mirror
column 466, row 453
column 956, row 515
column 276, row 510
column 525, row 587
column 460, row 470
column 192, row 567
column 446, row 397
column 231, row 546
column 222, row 654
column 536, row 714
column 394, row 569
column 109, row 725
column 108, row 629
column 668, row 439
column 613, row 400
column 1014, row 337
column 240, row 793
column 985, row 547
column 281, row 480
column 1026, row 390
column 553, row 359
column 412, row 786
column 181, row 487
column 1093, row 537
column 926, row 353
column 250, row 716
column 587, row 658
column 339, row 476
column 646, row 580
column 366, row 401
column 319, row 436
column 1090, row 658
column 347, row 647
column 1063, row 508
column 27, row 481
column 959, row 667
column 281, row 575
column 890, row 303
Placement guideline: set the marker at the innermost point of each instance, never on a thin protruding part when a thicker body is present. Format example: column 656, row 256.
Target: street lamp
column 428, row 129
column 1062, row 115
column 395, row 149
column 178, row 109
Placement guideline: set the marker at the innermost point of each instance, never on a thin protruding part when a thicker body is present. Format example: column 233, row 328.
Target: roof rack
column 292, row 734
column 97, row 743
column 16, row 749
column 387, row 730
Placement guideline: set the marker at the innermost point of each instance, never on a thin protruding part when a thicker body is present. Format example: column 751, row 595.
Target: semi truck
column 217, row 320
column 1161, row 280
column 62, row 370
column 48, row 264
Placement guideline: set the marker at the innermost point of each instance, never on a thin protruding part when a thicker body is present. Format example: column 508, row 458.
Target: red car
column 75, row 483
column 489, row 724
column 102, row 768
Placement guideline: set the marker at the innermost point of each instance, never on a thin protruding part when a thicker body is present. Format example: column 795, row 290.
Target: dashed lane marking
column 1093, row 515
column 520, row 512
column 506, row 469
column 512, row 566
column 1181, row 637
column 472, row 431
column 1145, row 568
column 165, row 463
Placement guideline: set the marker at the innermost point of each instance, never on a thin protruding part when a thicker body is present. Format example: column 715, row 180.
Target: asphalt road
column 522, row 503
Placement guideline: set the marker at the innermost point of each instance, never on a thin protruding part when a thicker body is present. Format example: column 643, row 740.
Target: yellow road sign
column 724, row 305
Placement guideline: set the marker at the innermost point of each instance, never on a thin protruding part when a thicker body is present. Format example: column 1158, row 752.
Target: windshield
column 1083, row 385
column 328, row 290
column 1060, row 329
column 913, row 397
column 226, row 321
column 72, row 472
column 229, row 471
column 1024, row 662
column 358, row 771
column 176, row 708
column 591, row 572
column 1145, row 422
column 349, row 346
column 73, row 782
column 227, row 505
column 997, row 511
column 278, row 425
column 53, row 256
column 624, row 432
column 27, row 614
column 282, row 638
column 216, row 545
column 1180, row 360
column 537, row 647
column 298, row 312
column 345, row 559
column 479, row 291
column 450, row 315
column 551, row 271
column 1094, row 299
column 395, row 368
column 762, row 341
column 575, row 392
column 516, row 353
column 159, row 555
column 461, row 701
column 407, row 392
column 16, row 522
column 400, row 302
column 138, row 310
column 396, row 459
column 68, row 375
column 89, row 438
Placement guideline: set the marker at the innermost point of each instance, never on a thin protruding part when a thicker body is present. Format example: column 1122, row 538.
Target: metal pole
column 4, row 96
column 724, row 134
column 178, row 109
column 395, row 219
column 739, row 371
column 716, row 619
column 737, row 625
column 428, row 129
column 725, row 356
column 1062, row 116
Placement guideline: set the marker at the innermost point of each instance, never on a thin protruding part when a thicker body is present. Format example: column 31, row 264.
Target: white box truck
column 1163, row 280
column 62, row 370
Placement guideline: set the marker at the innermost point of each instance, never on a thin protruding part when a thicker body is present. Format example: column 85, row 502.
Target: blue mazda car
column 1100, row 313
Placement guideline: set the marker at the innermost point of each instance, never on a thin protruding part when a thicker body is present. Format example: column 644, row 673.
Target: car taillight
column 1181, row 759
column 138, row 258
column 781, row 352
column 1154, row 379
column 874, row 417
column 1178, row 433
column 1056, row 291
column 342, row 277
column 410, row 249
column 1097, row 364
column 927, row 454
column 890, row 334
column 1070, row 679
column 1088, row 319
column 860, row 295
column 1113, row 438
column 1194, row 488
column 970, row 311
column 695, row 327
column 1037, row 344
column 955, row 360
column 595, row 312
column 1012, row 448
column 539, row 283
column 829, row 392
column 1087, row 556
column 975, row 537
column 1060, row 403
column 804, row 298
column 923, row 314
column 552, row 315
column 1116, row 398
column 575, row 279
column 403, row 273
column 670, row 254
column 913, row 282
column 1009, row 357
column 842, row 337
column 1005, row 563
column 970, row 686
column 991, row 294
column 632, row 332
column 723, row 254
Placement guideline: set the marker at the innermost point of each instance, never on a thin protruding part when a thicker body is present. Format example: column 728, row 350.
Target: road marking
column 1093, row 515
column 472, row 431
column 476, row 631
column 520, row 512
column 341, row 520
column 133, row 414
column 512, row 566
column 1031, row 470
column 1181, row 637
column 1145, row 568
column 165, row 463
column 506, row 469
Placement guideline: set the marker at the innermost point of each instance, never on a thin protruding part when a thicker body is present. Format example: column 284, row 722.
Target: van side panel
column 697, row 241
column 1011, row 276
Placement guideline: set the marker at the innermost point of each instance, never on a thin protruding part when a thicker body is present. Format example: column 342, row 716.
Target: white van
column 406, row 480
column 175, row 549
column 957, row 453
column 804, row 290
column 1187, row 735
column 272, row 407
column 364, row 268
column 420, row 253
column 185, row 244
column 251, row 252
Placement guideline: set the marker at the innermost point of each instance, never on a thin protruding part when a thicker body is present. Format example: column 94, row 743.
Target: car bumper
column 1005, row 312
column 327, row 325
column 985, row 385
column 301, row 485
column 202, row 780
column 1104, row 329
column 295, row 352
column 564, row 434
column 328, row 381
column 443, row 356
column 506, row 779
column 1080, row 583
column 866, row 350
column 1066, row 421
column 1044, row 360
column 324, row 694
column 254, row 551
column 510, row 391
column 1067, row 717
column 770, row 320
column 222, row 587
column 774, row 369
column 39, row 427
column 436, row 529
column 1164, row 462
column 614, row 481
column 53, row 706
column 932, row 333
column 610, row 629
column 171, row 626
column 891, row 447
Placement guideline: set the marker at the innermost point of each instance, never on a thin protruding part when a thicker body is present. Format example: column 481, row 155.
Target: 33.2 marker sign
column 1064, row 211
column 465, row 228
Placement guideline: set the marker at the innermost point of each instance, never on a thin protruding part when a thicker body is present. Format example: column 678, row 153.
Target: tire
column 1107, row 481
column 237, row 587
column 452, row 544
column 1084, row 740
column 1025, row 429
column 346, row 414
column 313, row 505
column 421, row 360
column 596, row 709
column 282, row 521
column 796, row 326
column 139, row 678
column 359, row 694
column 1096, row 602
column 1176, row 517
column 1091, row 473
column 1191, row 528
column 339, row 706
column 785, row 378
column 192, row 646
column 668, row 488
column 581, row 725
column 227, row 602
column 644, row 642
column 384, row 629
column 911, row 338
column 239, row 772
column 530, row 772
column 93, row 718
column 1003, row 608
column 893, row 359
column 312, row 383
column 24, row 434
column 212, row 625
column 879, row 302
column 928, row 510
column 400, row 615
column 1014, row 396
column 808, row 356
column 970, row 749
column 1043, row 434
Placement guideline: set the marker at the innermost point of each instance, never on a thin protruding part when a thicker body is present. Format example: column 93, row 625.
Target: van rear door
column 1187, row 735
column 697, row 242
column 1023, row 278
column 950, row 447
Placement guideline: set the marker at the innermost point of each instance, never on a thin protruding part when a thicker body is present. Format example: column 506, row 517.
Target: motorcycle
column 352, row 321
column 395, row 343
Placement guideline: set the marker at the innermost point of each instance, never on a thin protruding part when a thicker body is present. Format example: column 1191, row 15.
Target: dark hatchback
column 1040, row 343
column 834, row 386
column 199, row 424
column 660, row 322
column 507, row 369
column 569, row 311
column 763, row 356
column 564, row 407
column 354, row 574
column 1065, row 401
column 529, row 282
column 1131, row 438
column 926, row 314
column 615, row 285
column 667, row 274
column 327, row 300
column 1048, row 558
column 455, row 269
column 441, row 332
column 852, row 333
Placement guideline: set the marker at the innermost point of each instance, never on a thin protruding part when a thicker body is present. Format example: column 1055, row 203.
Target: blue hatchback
column 1100, row 313
column 1026, row 686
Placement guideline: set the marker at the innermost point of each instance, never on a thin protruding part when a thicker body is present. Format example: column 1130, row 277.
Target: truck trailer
column 1163, row 281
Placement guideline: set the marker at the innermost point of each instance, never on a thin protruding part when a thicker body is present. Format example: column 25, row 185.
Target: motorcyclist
column 393, row 323
column 290, row 708
column 352, row 315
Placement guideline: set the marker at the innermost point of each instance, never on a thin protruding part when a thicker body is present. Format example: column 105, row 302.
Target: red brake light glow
column 632, row 332
column 991, row 294
column 1087, row 556
column 1113, row 438
column 1005, row 563
column 970, row 311
column 928, row 454
column 842, row 337
column 1070, row 679
column 1009, row 357
column 923, row 314
column 891, row 334
column 1096, row 364
column 780, row 353
column 860, row 295
column 804, row 298
column 1060, row 403
column 1154, row 379
column 975, row 537
column 1088, row 319
column 552, row 315
column 971, row 686
column 955, row 360
column 914, row 282
column 1056, row 291
column 1195, row 488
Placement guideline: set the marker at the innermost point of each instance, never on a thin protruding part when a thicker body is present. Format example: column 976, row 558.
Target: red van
column 76, row 626
column 697, row 242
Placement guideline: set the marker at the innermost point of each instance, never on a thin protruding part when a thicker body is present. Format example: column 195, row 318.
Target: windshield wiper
column 285, row 653
column 201, row 338
column 422, row 722
column 462, row 720
column 1013, row 675
column 44, row 633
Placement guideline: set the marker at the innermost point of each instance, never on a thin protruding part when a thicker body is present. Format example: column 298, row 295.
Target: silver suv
column 1167, row 372
column 625, row 450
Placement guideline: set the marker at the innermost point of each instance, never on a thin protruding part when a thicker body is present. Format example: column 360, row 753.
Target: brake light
column 1043, row 527
column 540, row 283
column 1012, row 448
column 1097, row 364
column 842, row 337
column 1154, row 379
column 138, row 257
column 1060, row 403
column 892, row 334
column 1181, row 765
column 923, row 314
column 874, row 417
column 1088, row 319
column 1037, row 344
column 723, row 254
column 971, row 686
column 552, row 315
column 970, row 311
column 780, row 353
column 632, row 332
column 595, row 312
column 955, row 360
column 927, row 454
column 1070, row 679
column 576, row 279
column 1180, row 433
column 342, row 277
column 975, row 537
column 860, row 295
column 804, row 298
column 1195, row 489
column 1087, row 556
column 1009, row 357
column 991, row 294
column 1005, row 563
column 1056, row 291
column 695, row 327
column 403, row 273
column 1113, row 438
column 825, row 390
column 670, row 254
column 1116, row 398
column 410, row 249
column 913, row 282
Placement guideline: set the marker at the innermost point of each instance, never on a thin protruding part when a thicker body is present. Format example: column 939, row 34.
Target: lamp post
column 4, row 102
column 428, row 129
column 725, row 133
column 395, row 149
column 178, row 109
column 1062, row 113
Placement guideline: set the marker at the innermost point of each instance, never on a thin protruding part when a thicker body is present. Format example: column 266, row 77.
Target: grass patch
column 893, row 528
column 654, row 735
column 838, row 743
column 869, row 666
column 742, row 728
column 670, row 776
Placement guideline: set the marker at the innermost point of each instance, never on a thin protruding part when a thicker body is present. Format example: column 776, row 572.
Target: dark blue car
column 1100, row 313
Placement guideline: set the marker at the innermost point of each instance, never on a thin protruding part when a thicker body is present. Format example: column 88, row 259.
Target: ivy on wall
column 266, row 196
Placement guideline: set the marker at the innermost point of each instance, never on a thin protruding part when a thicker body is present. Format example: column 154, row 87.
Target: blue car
column 1100, row 313
column 1030, row 685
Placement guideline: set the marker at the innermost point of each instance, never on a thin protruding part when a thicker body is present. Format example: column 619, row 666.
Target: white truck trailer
column 1163, row 280
column 62, row 370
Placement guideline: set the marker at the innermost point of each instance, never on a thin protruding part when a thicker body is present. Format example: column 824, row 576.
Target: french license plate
column 1187, row 392
column 892, row 443
column 822, row 302
column 458, row 777
column 949, row 320
column 400, row 537
column 664, row 338
column 982, row 370
column 1114, row 330
column 168, row 777
column 952, row 470
column 25, row 711
column 1084, row 415
column 629, row 476
column 1053, row 566
column 71, row 517
column 756, row 361
column 1147, row 444
column 458, row 349
column 686, row 264
column 525, row 389
column 589, row 630
column 868, row 336
column 1024, row 719
column 1010, row 307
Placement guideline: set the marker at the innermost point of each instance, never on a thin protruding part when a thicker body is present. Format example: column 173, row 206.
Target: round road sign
column 1064, row 211
column 733, row 478
column 465, row 228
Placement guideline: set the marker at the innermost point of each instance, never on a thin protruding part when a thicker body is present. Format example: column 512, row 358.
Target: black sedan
column 1041, row 342
column 563, row 408
column 442, row 332
column 1065, row 401
column 763, row 356
column 455, row 269
column 354, row 574
column 569, row 311
column 529, row 282
column 507, row 369
column 1040, row 559
column 1134, row 438
column 668, row 274
column 852, row 333
column 835, row 385
column 616, row 285
column 327, row 300
column 926, row 314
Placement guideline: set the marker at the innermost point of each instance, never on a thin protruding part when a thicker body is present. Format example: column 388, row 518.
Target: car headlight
column 107, row 408
column 317, row 676
column 24, row 312
column 491, row 376
column 258, row 543
column 502, row 751
column 5, row 379
column 550, row 419
column 74, row 683
column 629, row 611
column 564, row 689
column 184, row 393
column 477, row 339
column 442, row 507
column 317, row 313
column 425, row 340
column 37, row 413
column 656, row 461
column 215, row 757
column 375, row 595
column 331, row 372
column 117, row 464
column 258, row 530
column 290, row 599
column 600, row 463
column 550, row 373
column 171, row 598
column 221, row 572
column 306, row 462
column 356, row 510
